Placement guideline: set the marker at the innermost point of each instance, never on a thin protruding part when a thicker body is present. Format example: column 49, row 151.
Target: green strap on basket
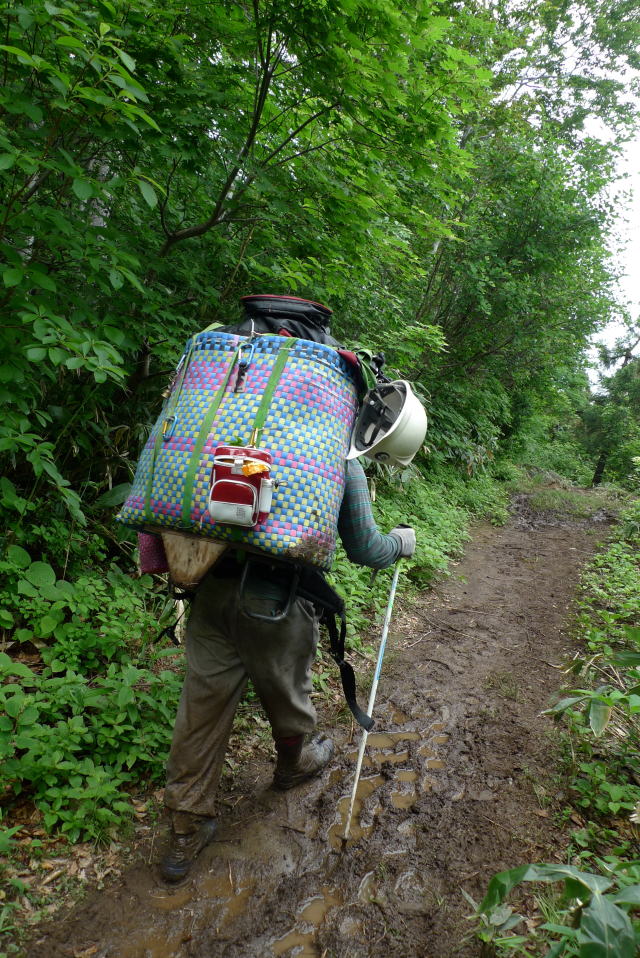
column 270, row 388
column 203, row 435
column 172, row 403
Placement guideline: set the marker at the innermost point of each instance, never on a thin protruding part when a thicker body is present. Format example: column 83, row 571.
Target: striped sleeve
column 361, row 538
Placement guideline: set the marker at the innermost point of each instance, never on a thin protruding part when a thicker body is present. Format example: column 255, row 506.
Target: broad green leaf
column 30, row 714
column 627, row 896
column 14, row 705
column 599, row 716
column 605, row 930
column 114, row 497
column 40, row 574
column 148, row 193
column 11, row 277
column 133, row 279
column 25, row 18
column 42, row 280
column 22, row 55
column 7, row 160
column 67, row 41
column 66, row 588
column 5, row 661
column 138, row 111
column 21, row 670
column 25, row 588
column 46, row 625
column 126, row 695
column 6, row 619
column 56, row 357
column 504, row 882
column 82, row 189
column 19, row 556
column 36, row 354
column 128, row 61
column 51, row 592
column 75, row 362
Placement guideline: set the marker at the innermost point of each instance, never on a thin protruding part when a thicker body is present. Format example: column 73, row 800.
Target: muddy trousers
column 224, row 648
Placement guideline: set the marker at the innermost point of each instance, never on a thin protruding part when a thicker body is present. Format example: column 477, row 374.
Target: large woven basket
column 305, row 424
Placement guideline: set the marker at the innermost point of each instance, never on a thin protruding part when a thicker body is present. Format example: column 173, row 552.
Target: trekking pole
column 372, row 697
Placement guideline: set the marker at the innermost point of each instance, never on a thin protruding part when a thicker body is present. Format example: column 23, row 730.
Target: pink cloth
column 153, row 558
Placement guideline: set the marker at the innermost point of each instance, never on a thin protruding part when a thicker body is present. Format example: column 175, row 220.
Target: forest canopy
column 425, row 169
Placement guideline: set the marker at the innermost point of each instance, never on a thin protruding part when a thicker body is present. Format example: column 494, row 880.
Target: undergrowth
column 561, row 454
column 596, row 914
column 440, row 510
column 87, row 693
column 579, row 503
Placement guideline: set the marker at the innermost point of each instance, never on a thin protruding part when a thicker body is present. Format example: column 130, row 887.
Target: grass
column 581, row 504
column 504, row 684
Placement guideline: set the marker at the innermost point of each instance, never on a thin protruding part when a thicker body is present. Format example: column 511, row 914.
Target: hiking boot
column 189, row 835
column 297, row 762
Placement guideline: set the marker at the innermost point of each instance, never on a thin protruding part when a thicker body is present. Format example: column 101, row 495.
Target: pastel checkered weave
column 305, row 422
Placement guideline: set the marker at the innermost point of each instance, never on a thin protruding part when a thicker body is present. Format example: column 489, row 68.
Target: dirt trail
column 454, row 786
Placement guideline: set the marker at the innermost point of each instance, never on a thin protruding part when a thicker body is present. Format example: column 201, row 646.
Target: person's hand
column 407, row 539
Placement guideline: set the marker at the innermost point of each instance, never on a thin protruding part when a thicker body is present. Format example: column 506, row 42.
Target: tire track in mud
column 454, row 784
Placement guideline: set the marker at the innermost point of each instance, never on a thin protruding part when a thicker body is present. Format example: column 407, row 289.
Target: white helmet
column 391, row 425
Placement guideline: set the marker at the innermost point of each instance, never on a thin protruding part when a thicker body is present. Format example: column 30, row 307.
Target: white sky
column 629, row 227
column 626, row 240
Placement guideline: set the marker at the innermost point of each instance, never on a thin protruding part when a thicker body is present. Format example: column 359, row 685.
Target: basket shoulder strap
column 270, row 389
column 203, row 435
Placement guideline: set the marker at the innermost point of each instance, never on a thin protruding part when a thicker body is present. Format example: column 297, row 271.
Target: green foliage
column 630, row 524
column 155, row 163
column 77, row 731
column 125, row 222
column 440, row 512
column 611, row 420
column 561, row 456
column 595, row 910
column 74, row 742
column 605, row 774
column 578, row 503
column 82, row 624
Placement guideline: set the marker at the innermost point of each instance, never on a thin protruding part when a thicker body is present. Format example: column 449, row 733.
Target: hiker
column 225, row 647
column 226, row 644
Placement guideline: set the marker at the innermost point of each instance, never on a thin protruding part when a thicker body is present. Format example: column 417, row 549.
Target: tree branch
column 310, row 149
column 217, row 214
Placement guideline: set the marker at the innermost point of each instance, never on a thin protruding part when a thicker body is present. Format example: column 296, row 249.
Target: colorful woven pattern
column 307, row 427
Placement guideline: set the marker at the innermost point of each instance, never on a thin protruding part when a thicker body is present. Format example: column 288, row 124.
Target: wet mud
column 456, row 785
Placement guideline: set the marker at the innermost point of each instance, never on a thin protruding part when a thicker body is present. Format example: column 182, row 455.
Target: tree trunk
column 601, row 463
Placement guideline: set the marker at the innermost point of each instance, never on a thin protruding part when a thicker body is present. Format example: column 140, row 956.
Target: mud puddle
column 446, row 798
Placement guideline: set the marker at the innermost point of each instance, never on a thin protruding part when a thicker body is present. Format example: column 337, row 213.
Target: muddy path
column 456, row 785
